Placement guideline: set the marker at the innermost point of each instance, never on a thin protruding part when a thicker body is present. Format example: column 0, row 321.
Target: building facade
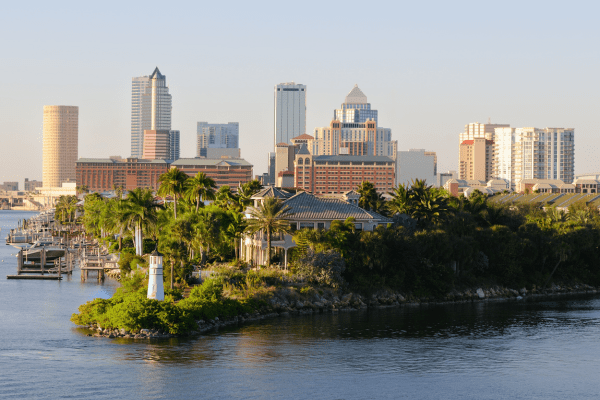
column 104, row 174
column 30, row 186
column 217, row 136
column 534, row 153
column 355, row 109
column 174, row 145
column 9, row 187
column 232, row 172
column 327, row 175
column 416, row 164
column 476, row 130
column 60, row 144
column 476, row 159
column 151, row 106
column 290, row 112
column 157, row 145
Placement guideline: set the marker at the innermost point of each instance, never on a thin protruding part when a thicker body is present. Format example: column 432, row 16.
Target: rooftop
column 356, row 96
column 211, row 161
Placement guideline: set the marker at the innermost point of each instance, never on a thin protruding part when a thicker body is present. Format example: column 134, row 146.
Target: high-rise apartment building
column 60, row 144
column 150, row 108
column 533, row 153
column 476, row 159
column 290, row 112
column 217, row 136
column 355, row 108
column 476, row 130
column 174, row 145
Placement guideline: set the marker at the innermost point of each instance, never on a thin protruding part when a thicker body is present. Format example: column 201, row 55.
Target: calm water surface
column 517, row 350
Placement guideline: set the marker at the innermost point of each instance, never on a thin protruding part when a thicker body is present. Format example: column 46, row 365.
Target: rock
column 216, row 318
column 480, row 293
column 144, row 331
column 284, row 314
column 523, row 291
column 519, row 298
column 299, row 304
column 123, row 331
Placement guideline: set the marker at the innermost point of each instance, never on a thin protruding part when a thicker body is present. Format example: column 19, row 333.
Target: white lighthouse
column 155, row 277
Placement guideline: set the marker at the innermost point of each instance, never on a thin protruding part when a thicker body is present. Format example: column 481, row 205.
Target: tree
column 368, row 196
column 246, row 191
column 401, row 201
column 139, row 214
column 172, row 183
column 226, row 199
column 269, row 217
column 199, row 188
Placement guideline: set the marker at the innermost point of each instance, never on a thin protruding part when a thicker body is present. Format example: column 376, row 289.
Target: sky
column 428, row 67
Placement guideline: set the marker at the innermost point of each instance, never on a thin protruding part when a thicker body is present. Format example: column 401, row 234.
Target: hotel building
column 103, row 174
column 232, row 172
column 476, row 159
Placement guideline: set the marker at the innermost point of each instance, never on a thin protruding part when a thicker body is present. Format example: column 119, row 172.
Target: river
column 489, row 350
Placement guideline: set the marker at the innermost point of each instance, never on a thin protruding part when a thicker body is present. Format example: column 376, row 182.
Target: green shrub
column 211, row 289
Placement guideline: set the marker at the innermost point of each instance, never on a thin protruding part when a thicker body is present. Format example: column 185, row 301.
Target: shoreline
column 353, row 302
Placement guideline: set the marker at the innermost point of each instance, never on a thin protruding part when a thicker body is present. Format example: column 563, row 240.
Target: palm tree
column 368, row 195
column 171, row 183
column 226, row 199
column 199, row 188
column 401, row 201
column 139, row 214
column 269, row 217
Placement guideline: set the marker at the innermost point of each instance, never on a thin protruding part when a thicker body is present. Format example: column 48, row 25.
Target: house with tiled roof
column 306, row 211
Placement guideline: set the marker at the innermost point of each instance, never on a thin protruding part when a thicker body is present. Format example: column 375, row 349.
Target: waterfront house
column 306, row 211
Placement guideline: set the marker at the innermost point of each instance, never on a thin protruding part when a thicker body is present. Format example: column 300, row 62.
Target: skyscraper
column 355, row 108
column 150, row 108
column 290, row 112
column 174, row 145
column 354, row 131
column 60, row 152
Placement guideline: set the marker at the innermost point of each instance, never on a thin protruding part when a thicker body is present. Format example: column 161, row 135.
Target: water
column 518, row 350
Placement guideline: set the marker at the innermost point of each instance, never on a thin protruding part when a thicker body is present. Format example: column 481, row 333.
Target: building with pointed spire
column 150, row 108
column 355, row 108
column 354, row 131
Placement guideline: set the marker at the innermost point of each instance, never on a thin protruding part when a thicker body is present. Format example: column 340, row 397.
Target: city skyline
column 424, row 90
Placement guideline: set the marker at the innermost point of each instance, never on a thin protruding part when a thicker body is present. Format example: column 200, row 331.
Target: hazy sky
column 428, row 67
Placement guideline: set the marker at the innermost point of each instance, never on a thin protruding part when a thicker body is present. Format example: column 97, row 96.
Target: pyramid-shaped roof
column 356, row 96
column 157, row 75
column 303, row 149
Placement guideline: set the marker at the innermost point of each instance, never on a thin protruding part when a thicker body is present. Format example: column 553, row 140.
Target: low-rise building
column 416, row 164
column 30, row 186
column 9, row 186
column 230, row 171
column 103, row 174
column 327, row 175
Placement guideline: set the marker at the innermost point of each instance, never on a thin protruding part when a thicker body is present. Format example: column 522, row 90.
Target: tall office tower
column 174, row 145
column 61, row 125
column 355, row 108
column 290, row 112
column 157, row 145
column 150, row 108
column 359, row 135
column 533, row 153
column 476, row 159
column 218, row 136
column 476, row 130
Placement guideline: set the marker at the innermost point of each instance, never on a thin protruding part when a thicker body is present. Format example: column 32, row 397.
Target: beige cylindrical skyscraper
column 61, row 130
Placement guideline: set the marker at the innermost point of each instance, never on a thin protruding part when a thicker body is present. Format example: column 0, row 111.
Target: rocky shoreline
column 285, row 304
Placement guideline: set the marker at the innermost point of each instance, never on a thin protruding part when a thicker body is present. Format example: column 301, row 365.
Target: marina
column 48, row 250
